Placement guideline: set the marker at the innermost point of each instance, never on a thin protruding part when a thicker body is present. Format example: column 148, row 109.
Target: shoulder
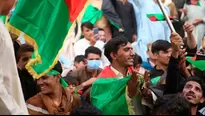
column 107, row 73
column 35, row 100
column 79, row 42
column 36, row 106
column 77, row 71
column 99, row 44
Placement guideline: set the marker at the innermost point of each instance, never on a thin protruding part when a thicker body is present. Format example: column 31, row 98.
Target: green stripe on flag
column 157, row 17
column 200, row 64
column 45, row 24
column 109, row 95
column 92, row 14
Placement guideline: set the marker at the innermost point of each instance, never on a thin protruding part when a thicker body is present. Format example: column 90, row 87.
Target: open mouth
column 190, row 96
column 43, row 88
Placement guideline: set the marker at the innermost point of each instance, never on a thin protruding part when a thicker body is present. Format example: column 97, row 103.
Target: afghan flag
column 193, row 2
column 198, row 62
column 157, row 17
column 93, row 14
column 45, row 24
column 110, row 96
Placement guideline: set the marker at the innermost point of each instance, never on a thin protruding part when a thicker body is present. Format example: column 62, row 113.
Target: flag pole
column 166, row 16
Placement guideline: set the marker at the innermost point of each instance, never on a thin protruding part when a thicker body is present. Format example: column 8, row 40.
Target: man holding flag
column 120, row 89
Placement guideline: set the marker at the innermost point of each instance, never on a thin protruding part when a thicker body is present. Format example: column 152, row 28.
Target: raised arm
column 173, row 73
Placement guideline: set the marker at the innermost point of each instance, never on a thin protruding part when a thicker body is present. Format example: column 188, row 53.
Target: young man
column 89, row 40
column 121, row 55
column 147, row 30
column 79, row 61
column 193, row 88
column 53, row 98
column 162, row 51
column 86, row 75
column 29, row 86
column 11, row 95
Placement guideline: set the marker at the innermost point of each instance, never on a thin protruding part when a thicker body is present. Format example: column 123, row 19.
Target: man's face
column 164, row 56
column 125, row 55
column 5, row 6
column 25, row 57
column 79, row 64
column 87, row 33
column 102, row 36
column 47, row 83
column 92, row 56
column 193, row 92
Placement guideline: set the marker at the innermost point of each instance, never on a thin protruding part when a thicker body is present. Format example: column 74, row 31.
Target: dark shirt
column 127, row 15
column 28, row 84
column 156, row 72
column 82, row 74
column 179, row 4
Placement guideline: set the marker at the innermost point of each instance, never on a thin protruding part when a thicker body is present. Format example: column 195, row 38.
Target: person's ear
column 85, row 61
column 202, row 100
column 58, row 77
column 113, row 55
column 155, row 55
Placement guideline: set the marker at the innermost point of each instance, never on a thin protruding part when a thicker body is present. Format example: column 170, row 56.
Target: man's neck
column 152, row 62
column 57, row 95
column 194, row 109
column 120, row 68
column 94, row 72
column 161, row 66
column 123, row 1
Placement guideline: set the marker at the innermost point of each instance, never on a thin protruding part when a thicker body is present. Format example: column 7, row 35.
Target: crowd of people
column 140, row 67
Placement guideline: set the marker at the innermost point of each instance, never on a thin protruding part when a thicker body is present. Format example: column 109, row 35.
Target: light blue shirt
column 148, row 31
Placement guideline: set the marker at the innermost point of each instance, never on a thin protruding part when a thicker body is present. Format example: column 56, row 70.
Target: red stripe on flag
column 75, row 7
column 153, row 18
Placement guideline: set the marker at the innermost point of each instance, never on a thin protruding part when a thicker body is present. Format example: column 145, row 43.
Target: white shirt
column 81, row 45
column 11, row 96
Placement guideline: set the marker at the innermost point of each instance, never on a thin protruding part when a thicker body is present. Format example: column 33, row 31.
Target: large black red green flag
column 45, row 24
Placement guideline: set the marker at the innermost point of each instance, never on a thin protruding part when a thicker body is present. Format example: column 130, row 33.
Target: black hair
column 71, row 80
column 113, row 45
column 199, row 81
column 171, row 104
column 22, row 49
column 16, row 48
column 137, row 60
column 87, row 25
column 93, row 50
column 79, row 58
column 160, row 45
column 85, row 109
column 58, row 67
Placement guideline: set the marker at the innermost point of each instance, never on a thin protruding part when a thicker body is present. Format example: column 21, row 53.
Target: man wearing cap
column 11, row 95
column 53, row 98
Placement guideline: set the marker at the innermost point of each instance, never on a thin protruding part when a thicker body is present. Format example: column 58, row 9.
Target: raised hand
column 188, row 27
column 176, row 42
column 133, row 84
column 197, row 21
column 145, row 90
